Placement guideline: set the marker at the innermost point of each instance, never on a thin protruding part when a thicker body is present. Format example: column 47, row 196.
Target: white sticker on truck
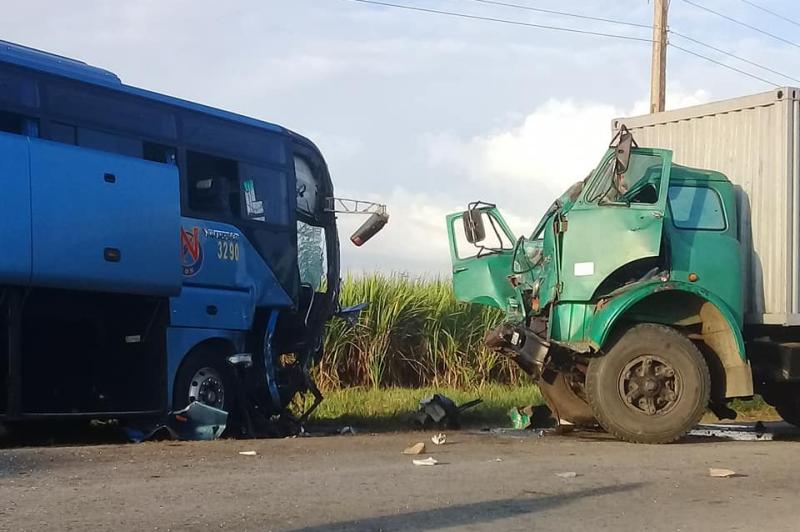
column 583, row 269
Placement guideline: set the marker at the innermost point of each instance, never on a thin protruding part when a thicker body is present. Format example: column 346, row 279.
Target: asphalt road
column 363, row 482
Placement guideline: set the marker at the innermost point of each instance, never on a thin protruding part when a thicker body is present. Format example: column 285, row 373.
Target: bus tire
column 206, row 377
column 652, row 385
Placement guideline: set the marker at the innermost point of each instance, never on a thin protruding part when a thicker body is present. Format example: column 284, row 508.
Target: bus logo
column 191, row 251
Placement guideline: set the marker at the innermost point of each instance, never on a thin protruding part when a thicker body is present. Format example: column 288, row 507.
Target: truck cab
column 625, row 302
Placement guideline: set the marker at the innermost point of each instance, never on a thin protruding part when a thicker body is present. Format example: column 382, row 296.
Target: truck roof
column 66, row 67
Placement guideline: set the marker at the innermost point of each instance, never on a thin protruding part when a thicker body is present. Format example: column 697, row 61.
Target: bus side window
column 110, row 142
column 159, row 153
column 64, row 133
column 264, row 194
column 213, row 185
column 18, row 124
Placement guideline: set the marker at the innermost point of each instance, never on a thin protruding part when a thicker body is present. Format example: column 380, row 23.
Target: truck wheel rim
column 649, row 385
column 206, row 387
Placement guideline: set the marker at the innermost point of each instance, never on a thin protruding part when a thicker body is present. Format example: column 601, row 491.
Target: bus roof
column 66, row 67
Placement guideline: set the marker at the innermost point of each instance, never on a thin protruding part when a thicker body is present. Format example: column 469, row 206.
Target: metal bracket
column 351, row 206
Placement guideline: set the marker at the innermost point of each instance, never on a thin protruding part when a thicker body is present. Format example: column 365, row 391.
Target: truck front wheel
column 651, row 386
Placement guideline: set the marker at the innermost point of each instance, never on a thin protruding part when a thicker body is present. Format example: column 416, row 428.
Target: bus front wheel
column 205, row 377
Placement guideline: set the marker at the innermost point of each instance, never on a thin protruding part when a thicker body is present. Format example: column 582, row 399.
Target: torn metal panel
column 197, row 421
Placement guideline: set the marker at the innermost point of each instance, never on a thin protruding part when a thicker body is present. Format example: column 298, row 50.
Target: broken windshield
column 638, row 184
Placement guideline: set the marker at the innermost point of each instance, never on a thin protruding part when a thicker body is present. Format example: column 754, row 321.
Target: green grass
column 390, row 408
column 367, row 408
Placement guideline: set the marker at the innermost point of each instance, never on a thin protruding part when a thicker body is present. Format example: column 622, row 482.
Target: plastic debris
column 439, row 439
column 537, row 417
column 197, row 421
column 248, row 453
column 720, row 472
column 426, row 462
column 417, row 448
column 567, row 474
column 347, row 430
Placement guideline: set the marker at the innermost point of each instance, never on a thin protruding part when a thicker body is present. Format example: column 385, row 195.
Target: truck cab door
column 617, row 221
column 481, row 269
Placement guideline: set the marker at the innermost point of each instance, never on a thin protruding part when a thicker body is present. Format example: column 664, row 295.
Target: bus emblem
column 191, row 251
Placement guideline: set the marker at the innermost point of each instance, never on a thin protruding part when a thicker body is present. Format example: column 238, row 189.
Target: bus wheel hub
column 206, row 387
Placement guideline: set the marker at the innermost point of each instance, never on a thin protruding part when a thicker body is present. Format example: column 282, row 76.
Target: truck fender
column 678, row 303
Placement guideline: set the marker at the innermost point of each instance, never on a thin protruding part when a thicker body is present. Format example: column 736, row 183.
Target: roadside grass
column 384, row 409
column 391, row 408
column 755, row 409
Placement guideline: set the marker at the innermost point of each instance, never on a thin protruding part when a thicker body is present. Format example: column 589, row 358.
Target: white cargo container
column 755, row 141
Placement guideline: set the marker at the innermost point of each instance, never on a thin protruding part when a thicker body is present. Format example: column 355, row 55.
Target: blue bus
column 150, row 249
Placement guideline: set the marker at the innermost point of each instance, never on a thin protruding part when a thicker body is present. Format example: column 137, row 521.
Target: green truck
column 644, row 295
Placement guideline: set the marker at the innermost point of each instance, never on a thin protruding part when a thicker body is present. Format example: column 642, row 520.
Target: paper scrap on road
column 721, row 473
column 439, row 439
column 247, row 453
column 417, row 448
column 567, row 474
column 426, row 462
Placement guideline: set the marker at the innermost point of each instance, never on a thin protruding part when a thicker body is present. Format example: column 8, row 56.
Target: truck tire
column 652, row 385
column 205, row 376
column 786, row 400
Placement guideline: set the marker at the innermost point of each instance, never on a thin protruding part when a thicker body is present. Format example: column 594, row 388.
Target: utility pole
column 658, row 68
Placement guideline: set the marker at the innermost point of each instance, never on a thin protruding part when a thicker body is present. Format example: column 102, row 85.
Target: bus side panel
column 104, row 222
column 15, row 210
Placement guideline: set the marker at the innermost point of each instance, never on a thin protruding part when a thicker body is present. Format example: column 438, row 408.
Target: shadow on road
column 468, row 514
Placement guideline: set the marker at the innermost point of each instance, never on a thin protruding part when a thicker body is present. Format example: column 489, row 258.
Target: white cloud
column 552, row 147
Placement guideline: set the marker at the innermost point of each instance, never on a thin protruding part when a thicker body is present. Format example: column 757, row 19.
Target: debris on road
column 248, row 453
column 538, row 417
column 439, row 439
column 567, row 474
column 441, row 411
column 417, row 448
column 430, row 461
column 720, row 472
column 347, row 430
column 731, row 431
column 197, row 421
column 513, row 433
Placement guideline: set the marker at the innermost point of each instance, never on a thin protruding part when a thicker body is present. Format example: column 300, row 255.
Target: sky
column 423, row 112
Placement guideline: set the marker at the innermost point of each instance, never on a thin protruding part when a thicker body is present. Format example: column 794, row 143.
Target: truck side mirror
column 623, row 150
column 473, row 226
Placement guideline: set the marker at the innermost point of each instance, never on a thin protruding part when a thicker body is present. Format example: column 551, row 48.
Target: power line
column 739, row 22
column 773, row 13
column 563, row 13
column 730, row 54
column 573, row 30
column 503, row 20
column 720, row 63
